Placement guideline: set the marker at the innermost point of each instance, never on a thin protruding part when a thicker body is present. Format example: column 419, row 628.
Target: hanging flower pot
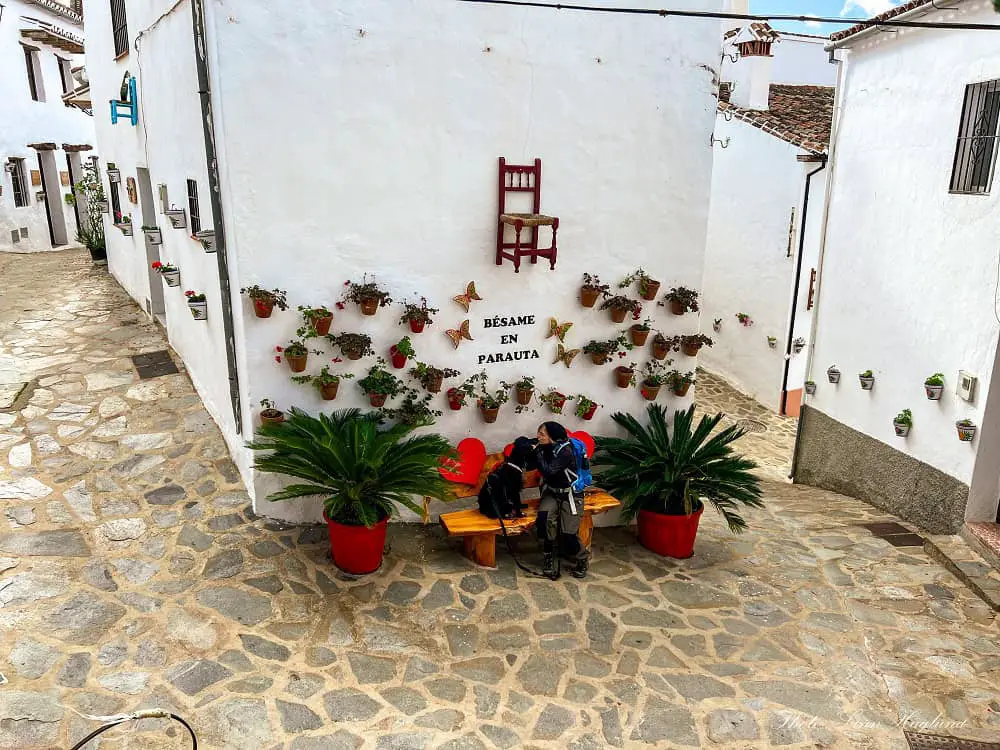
column 377, row 399
column 691, row 349
column 153, row 235
column 966, row 430
column 329, row 390
column 524, row 395
column 269, row 414
column 125, row 227
column 648, row 289
column 357, row 550
column 589, row 413
column 456, row 399
column 207, row 239
column 263, row 307
column 618, row 314
column 368, row 306
column 867, row 380
column 810, row 387
column 650, row 391
column 639, row 334
column 681, row 388
column 103, row 207
column 353, row 354
column 199, row 310
column 398, row 359
column 417, row 326
column 833, row 374
column 798, row 345
column 589, row 295
column 490, row 413
column 623, row 376
column 599, row 358
column 353, row 345
column 902, row 429
column 322, row 325
column 176, row 217
column 296, row 362
column 661, row 348
column 934, row 386
column 554, row 400
column 171, row 278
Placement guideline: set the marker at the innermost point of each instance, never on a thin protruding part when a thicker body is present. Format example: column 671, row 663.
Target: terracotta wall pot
column 639, row 335
column 524, row 396
column 368, row 306
column 352, row 354
column 489, row 415
column 691, row 350
column 434, row 383
column 599, row 358
column 456, row 399
column 357, row 549
column 650, row 392
column 589, row 414
column 669, row 536
column 677, row 307
column 398, row 360
column 649, row 290
column 377, row 399
column 417, row 326
column 329, row 391
column 660, row 350
column 588, row 296
column 297, row 362
column 263, row 308
column 623, row 377
column 682, row 390
column 618, row 314
column 934, row 392
column 272, row 416
column 322, row 325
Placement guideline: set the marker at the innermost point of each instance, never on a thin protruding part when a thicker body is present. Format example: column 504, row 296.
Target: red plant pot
column 322, row 325
column 296, row 362
column 377, row 399
column 669, row 536
column 557, row 404
column 398, row 360
column 357, row 549
column 456, row 399
column 417, row 326
column 590, row 412
column 263, row 308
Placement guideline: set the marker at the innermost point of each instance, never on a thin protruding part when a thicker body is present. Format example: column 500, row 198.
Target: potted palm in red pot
column 362, row 472
column 265, row 300
column 663, row 477
column 417, row 316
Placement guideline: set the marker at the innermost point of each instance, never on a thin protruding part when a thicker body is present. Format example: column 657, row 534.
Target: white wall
column 799, row 60
column 374, row 149
column 909, row 277
column 24, row 121
column 749, row 261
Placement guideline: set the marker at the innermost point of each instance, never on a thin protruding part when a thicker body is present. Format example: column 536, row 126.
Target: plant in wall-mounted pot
column 103, row 206
column 400, row 352
column 601, row 351
column 114, row 174
column 654, row 376
column 934, row 386
column 591, row 289
column 152, row 233
column 662, row 345
column 207, row 239
column 966, row 430
column 124, row 223
column 296, row 354
column 380, row 384
column 867, row 380
column 554, row 400
column 524, row 390
column 197, row 305
column 772, row 342
column 360, row 468
column 170, row 274
column 717, row 325
column 586, row 408
column 621, row 307
column 414, row 410
column 648, row 287
column 316, row 322
column 489, row 401
column 833, row 374
column 810, row 387
column 456, row 396
column 176, row 217
column 432, row 378
column 417, row 316
column 681, row 382
column 625, row 375
column 367, row 295
column 691, row 345
column 745, row 320
column 353, row 345
column 640, row 332
column 269, row 414
column 903, row 422
column 326, row 382
column 798, row 345
column 265, row 300
column 681, row 300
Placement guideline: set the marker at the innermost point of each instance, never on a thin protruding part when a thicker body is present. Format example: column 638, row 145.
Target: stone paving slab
column 805, row 632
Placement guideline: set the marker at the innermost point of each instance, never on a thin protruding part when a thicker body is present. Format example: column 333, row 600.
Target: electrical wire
column 667, row 13
column 155, row 713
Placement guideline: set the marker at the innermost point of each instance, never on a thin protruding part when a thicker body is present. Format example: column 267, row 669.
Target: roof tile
column 800, row 115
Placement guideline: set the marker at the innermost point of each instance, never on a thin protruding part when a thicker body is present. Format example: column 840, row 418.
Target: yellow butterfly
column 456, row 336
column 566, row 356
column 465, row 300
column 555, row 329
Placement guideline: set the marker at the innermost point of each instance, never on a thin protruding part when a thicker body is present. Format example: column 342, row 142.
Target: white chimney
column 752, row 71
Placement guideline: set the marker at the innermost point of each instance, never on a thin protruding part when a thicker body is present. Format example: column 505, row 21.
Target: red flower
column 621, row 355
column 278, row 349
column 157, row 265
column 188, row 293
column 341, row 305
column 336, row 360
column 347, row 283
column 277, row 359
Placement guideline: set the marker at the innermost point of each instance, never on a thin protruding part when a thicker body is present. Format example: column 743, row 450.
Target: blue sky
column 826, row 8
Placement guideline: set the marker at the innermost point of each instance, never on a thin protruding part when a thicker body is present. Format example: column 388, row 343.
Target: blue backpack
column 582, row 478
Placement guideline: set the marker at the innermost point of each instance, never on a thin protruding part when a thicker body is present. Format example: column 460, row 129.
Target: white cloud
column 870, row 7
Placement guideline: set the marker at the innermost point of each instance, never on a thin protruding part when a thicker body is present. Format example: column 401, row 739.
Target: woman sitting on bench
column 559, row 512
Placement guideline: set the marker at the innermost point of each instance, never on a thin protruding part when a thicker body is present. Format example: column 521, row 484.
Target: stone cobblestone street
column 133, row 573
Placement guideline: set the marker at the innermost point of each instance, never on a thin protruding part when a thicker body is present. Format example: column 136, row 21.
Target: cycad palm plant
column 670, row 473
column 362, row 472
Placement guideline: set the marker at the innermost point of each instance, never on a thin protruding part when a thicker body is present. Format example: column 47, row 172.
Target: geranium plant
column 326, row 382
column 269, row 414
column 591, row 289
column 525, row 389
column 585, row 407
column 601, row 351
column 380, row 384
column 417, row 316
column 431, row 377
column 367, row 295
column 692, row 344
column 745, row 320
column 316, row 321
column 265, row 300
column 681, row 382
column 681, row 300
column 414, row 410
column 621, row 306
column 353, row 345
column 648, row 287
column 555, row 400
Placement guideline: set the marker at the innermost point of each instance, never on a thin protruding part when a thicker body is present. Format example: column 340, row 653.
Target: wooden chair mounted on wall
column 523, row 178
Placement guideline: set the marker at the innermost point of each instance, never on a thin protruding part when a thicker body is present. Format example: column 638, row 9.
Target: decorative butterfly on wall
column 566, row 356
column 465, row 300
column 462, row 332
column 558, row 329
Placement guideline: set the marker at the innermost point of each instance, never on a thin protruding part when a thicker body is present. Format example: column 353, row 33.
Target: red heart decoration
column 471, row 459
column 587, row 440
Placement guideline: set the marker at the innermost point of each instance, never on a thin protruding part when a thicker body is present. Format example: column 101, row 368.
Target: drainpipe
column 215, row 187
column 798, row 276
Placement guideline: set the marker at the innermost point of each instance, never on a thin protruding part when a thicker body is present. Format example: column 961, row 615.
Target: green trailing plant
column 686, row 299
column 415, row 313
column 583, row 405
column 678, row 379
column 427, row 374
column 486, row 397
column 866, row 374
column 527, row 383
column 296, row 348
column 275, row 297
column 618, row 345
column 414, row 410
column 593, row 282
column 194, row 296
column 405, row 347
column 358, row 343
column 310, row 314
column 380, row 381
column 673, row 471
column 91, row 231
column 362, row 472
column 656, row 373
column 935, row 380
column 324, row 378
column 644, row 279
column 644, row 325
column 904, row 417
column 555, row 400
column 698, row 340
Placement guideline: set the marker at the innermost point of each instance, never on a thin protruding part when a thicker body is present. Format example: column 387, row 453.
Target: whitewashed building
column 768, row 189
column 331, row 145
column 908, row 277
column 45, row 125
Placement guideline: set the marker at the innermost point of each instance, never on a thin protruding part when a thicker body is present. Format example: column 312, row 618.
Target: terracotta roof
column 800, row 115
column 759, row 31
column 892, row 13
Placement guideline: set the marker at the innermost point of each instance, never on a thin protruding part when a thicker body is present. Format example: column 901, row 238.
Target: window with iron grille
column 119, row 27
column 18, row 184
column 32, row 68
column 193, row 211
column 976, row 153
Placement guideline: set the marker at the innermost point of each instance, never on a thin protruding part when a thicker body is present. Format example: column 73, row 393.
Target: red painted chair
column 523, row 179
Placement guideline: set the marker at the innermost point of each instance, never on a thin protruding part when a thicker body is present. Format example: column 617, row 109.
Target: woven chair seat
column 528, row 220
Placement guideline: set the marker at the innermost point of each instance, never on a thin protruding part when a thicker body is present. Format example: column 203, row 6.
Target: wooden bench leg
column 586, row 532
column 481, row 549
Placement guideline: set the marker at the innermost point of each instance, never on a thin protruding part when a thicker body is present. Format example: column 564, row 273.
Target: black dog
column 500, row 496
